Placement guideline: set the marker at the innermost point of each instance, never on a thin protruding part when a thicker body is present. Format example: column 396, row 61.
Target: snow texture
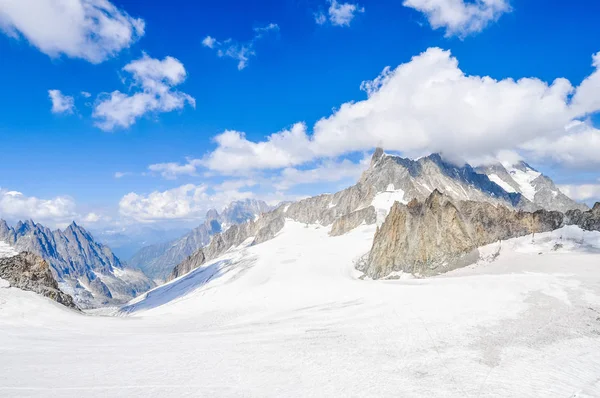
column 291, row 317
column 6, row 250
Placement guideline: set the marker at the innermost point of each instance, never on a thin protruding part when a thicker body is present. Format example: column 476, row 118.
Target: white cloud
column 56, row 212
column 15, row 205
column 91, row 218
column 61, row 103
column 320, row 18
column 460, row 17
column 326, row 171
column 121, row 174
column 425, row 105
column 341, row 14
column 172, row 170
column 235, row 153
column 85, row 94
column 156, row 80
column 209, row 42
column 583, row 192
column 241, row 52
column 93, row 30
column 186, row 202
column 578, row 148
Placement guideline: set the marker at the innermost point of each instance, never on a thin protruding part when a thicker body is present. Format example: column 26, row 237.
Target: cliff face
column 84, row 268
column 588, row 220
column 421, row 180
column 437, row 235
column 28, row 271
column 352, row 220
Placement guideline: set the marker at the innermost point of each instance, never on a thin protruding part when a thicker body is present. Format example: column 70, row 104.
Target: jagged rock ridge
column 83, row 268
column 28, row 271
column 439, row 234
column 157, row 261
column 390, row 175
column 539, row 189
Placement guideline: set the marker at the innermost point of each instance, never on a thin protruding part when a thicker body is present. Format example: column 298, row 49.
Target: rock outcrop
column 352, row 220
column 391, row 175
column 83, row 268
column 28, row 271
column 437, row 235
column 588, row 220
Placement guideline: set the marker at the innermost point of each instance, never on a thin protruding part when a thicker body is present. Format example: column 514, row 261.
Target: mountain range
column 157, row 261
column 85, row 269
column 91, row 273
column 390, row 179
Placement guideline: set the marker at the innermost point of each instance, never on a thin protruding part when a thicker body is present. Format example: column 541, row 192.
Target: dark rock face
column 437, row 235
column 588, row 220
column 28, row 271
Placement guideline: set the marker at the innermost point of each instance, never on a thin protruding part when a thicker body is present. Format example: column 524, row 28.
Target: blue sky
column 303, row 69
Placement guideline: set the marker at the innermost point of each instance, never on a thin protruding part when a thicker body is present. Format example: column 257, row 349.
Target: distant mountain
column 390, row 179
column 83, row 268
column 127, row 240
column 533, row 185
column 158, row 260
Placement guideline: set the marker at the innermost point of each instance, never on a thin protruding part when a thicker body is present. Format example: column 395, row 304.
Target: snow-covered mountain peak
column 537, row 188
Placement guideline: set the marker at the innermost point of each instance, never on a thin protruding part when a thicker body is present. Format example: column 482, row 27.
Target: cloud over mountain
column 426, row 105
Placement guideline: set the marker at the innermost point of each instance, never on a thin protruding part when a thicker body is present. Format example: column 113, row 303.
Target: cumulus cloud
column 326, row 171
column 579, row 147
column 583, row 192
column 173, row 170
column 240, row 52
column 14, row 204
column 61, row 103
column 93, row 30
column 460, row 17
column 426, row 105
column 339, row 14
column 235, row 153
column 54, row 212
column 187, row 202
column 154, row 81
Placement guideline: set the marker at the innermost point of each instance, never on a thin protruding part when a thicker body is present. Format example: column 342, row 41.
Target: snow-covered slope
column 158, row 260
column 6, row 250
column 277, row 319
column 387, row 179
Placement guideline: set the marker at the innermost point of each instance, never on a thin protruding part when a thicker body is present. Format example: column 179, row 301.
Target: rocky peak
column 435, row 199
column 212, row 214
column 596, row 208
column 80, row 265
column 377, row 155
